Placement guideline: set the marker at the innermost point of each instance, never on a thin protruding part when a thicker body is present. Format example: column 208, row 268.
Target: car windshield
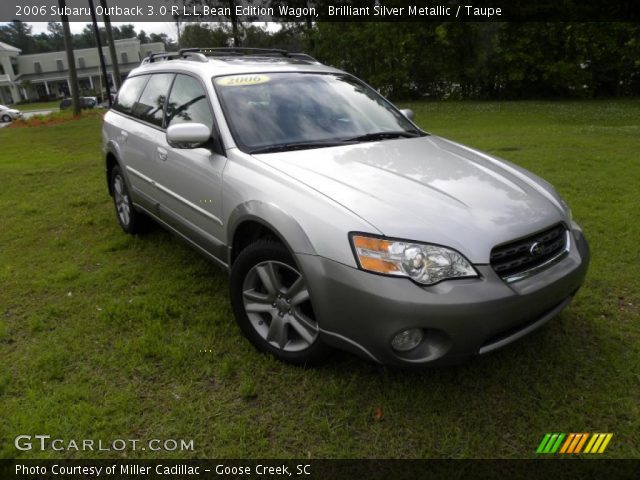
column 287, row 111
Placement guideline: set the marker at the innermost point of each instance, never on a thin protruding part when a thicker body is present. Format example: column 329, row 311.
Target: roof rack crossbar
column 200, row 54
column 304, row 56
column 197, row 56
column 152, row 57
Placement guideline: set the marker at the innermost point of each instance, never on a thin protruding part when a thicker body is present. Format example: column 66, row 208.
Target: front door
column 191, row 179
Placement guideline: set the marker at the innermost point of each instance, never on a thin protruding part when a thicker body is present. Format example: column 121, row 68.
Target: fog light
column 407, row 339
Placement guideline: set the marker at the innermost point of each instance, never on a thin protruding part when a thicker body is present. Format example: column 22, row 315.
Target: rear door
column 125, row 130
column 146, row 133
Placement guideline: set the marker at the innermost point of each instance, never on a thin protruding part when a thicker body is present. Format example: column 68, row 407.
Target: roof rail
column 200, row 54
column 237, row 51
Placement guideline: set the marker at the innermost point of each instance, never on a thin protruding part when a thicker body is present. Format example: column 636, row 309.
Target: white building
column 45, row 76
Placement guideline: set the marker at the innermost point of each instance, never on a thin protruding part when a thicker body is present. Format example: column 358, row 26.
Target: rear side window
column 150, row 106
column 129, row 94
column 188, row 103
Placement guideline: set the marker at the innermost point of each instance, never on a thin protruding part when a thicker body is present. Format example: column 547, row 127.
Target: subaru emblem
column 536, row 249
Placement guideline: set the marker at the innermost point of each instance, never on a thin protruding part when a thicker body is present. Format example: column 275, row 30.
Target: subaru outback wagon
column 341, row 222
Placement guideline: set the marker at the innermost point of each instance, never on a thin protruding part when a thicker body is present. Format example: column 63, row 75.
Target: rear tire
column 272, row 304
column 132, row 221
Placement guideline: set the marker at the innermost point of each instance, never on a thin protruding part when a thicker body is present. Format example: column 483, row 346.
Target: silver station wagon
column 341, row 222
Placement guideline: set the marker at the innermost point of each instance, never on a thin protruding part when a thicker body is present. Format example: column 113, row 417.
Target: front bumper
column 361, row 312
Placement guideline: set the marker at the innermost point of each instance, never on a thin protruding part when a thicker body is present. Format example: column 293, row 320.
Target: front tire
column 6, row 118
column 272, row 304
column 131, row 221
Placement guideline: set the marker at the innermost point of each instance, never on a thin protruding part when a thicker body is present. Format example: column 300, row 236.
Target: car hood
column 428, row 189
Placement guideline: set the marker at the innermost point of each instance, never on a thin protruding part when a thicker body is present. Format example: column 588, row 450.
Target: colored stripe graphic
column 581, row 443
column 544, row 441
column 555, row 447
column 567, row 443
column 598, row 443
column 555, row 443
column 550, row 443
column 590, row 444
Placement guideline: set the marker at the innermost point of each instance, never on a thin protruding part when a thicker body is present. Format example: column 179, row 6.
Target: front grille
column 521, row 255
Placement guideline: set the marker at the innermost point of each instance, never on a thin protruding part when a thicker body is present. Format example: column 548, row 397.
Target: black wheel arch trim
column 283, row 225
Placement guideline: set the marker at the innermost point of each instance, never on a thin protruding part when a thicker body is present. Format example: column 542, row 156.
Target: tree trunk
column 71, row 61
column 112, row 46
column 234, row 23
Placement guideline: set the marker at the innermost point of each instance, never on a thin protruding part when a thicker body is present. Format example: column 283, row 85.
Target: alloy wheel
column 276, row 300
column 121, row 198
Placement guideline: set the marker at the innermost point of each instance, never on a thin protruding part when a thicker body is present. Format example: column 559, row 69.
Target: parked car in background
column 103, row 102
column 8, row 114
column 342, row 223
column 85, row 103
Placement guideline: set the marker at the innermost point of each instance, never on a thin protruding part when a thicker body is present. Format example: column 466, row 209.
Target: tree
column 19, row 35
column 55, row 39
column 73, row 75
column 203, row 35
column 169, row 44
column 233, row 19
column 125, row 31
column 142, row 36
column 112, row 46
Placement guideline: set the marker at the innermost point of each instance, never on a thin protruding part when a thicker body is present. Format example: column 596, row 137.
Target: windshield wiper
column 285, row 147
column 383, row 136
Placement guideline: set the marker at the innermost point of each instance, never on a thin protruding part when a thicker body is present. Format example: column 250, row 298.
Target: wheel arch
column 111, row 160
column 254, row 220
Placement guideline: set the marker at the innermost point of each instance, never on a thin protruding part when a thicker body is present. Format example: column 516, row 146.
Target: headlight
column 423, row 263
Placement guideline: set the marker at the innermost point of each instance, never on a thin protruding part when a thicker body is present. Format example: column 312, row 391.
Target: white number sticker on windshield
column 241, row 80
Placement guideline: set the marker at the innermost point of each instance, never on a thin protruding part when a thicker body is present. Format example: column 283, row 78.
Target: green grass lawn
column 102, row 335
column 29, row 107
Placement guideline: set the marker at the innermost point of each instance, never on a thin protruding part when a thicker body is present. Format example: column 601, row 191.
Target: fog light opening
column 407, row 340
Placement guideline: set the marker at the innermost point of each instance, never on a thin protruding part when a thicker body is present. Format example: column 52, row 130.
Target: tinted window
column 188, row 103
column 129, row 93
column 150, row 106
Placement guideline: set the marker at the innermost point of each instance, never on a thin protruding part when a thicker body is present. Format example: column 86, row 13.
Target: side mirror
column 407, row 112
column 188, row 135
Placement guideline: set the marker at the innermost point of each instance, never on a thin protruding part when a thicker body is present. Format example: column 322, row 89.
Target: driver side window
column 188, row 103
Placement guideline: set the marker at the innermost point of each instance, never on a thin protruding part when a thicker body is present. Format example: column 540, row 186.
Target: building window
column 81, row 63
column 124, row 57
column 60, row 65
column 37, row 67
column 1, row 69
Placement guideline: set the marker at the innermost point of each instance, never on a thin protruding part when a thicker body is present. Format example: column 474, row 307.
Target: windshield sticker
column 241, row 80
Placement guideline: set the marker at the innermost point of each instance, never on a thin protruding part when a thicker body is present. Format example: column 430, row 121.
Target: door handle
column 162, row 154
